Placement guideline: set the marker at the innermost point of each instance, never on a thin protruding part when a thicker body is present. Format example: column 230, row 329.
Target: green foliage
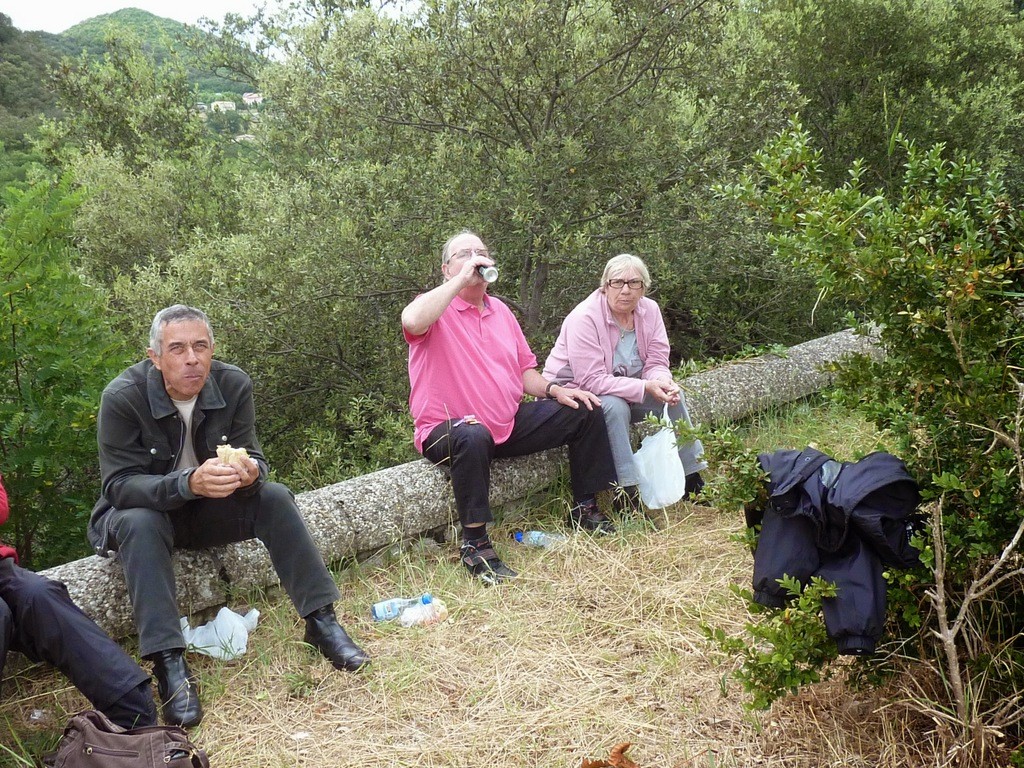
column 126, row 104
column 366, row 436
column 24, row 66
column 934, row 70
column 161, row 40
column 56, row 357
column 790, row 647
column 936, row 267
column 157, row 178
column 736, row 477
column 24, row 98
column 136, row 216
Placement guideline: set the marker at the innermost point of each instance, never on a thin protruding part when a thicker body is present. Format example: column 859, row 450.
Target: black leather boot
column 178, row 689
column 324, row 633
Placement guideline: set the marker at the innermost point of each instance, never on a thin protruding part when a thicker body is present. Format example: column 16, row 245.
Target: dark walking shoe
column 694, row 485
column 585, row 516
column 178, row 689
column 626, row 501
column 324, row 633
column 482, row 563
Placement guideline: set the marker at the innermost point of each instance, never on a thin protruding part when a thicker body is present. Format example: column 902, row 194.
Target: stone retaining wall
column 370, row 512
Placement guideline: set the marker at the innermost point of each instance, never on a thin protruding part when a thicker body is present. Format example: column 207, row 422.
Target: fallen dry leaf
column 616, row 759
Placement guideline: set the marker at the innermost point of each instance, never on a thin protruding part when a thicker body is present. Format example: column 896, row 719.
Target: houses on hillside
column 231, row 118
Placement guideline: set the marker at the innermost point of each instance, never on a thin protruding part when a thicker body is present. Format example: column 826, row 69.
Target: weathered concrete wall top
column 373, row 511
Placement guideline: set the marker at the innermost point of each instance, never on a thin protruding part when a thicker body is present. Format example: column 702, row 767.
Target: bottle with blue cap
column 541, row 539
column 386, row 610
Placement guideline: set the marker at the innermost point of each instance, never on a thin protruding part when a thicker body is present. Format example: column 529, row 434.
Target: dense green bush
column 56, row 356
column 936, row 266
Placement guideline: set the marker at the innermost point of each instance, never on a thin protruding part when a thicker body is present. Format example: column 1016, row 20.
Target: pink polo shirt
column 468, row 362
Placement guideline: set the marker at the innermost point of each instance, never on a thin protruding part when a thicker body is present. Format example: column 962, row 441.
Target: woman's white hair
column 620, row 264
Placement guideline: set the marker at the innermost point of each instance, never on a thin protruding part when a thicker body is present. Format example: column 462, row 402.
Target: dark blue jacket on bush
column 843, row 522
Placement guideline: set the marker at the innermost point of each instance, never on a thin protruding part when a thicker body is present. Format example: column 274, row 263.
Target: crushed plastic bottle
column 386, row 610
column 541, row 539
column 429, row 610
column 42, row 718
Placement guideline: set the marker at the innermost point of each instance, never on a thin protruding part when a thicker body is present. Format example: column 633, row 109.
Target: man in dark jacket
column 38, row 618
column 159, row 427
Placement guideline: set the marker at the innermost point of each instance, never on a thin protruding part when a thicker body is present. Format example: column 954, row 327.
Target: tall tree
column 934, row 70
column 57, row 354
column 551, row 127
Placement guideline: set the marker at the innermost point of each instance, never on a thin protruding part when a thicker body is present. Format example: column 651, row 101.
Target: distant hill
column 145, row 24
column 27, row 60
column 159, row 37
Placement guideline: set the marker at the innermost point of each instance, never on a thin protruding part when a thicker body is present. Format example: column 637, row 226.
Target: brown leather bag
column 90, row 740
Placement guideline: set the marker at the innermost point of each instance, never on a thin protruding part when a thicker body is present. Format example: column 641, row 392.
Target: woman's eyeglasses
column 618, row 283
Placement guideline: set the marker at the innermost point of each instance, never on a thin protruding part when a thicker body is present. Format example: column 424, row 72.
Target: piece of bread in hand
column 227, row 454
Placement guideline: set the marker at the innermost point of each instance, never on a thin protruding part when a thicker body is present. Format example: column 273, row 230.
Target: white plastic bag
column 662, row 480
column 226, row 637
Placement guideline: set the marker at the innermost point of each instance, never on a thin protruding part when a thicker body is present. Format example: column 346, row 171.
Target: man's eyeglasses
column 466, row 253
column 618, row 283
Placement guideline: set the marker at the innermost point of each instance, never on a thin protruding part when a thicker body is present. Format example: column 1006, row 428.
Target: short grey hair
column 446, row 252
column 618, row 264
column 177, row 313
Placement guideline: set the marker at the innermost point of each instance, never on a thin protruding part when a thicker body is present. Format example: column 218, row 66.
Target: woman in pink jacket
column 614, row 344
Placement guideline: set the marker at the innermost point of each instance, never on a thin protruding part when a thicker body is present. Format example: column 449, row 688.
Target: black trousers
column 145, row 538
column 38, row 619
column 468, row 450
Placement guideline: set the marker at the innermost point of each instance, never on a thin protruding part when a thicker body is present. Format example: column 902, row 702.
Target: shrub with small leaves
column 57, row 355
column 786, row 647
column 937, row 268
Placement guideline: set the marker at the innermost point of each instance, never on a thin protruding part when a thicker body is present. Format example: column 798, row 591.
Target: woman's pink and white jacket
column 582, row 355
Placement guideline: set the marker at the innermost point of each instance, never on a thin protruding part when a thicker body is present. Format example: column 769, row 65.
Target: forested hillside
column 28, row 60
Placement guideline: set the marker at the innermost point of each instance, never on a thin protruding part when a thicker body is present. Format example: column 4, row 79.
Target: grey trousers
column 145, row 538
column 619, row 414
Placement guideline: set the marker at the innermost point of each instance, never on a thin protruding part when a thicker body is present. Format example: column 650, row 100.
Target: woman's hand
column 662, row 391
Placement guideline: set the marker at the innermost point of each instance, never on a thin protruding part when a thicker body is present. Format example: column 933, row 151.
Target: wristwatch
column 547, row 389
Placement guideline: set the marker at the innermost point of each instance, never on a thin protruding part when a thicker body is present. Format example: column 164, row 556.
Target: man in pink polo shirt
column 469, row 367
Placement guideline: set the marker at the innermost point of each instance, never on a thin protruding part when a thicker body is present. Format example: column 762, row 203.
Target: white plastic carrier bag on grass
column 662, row 480
column 225, row 638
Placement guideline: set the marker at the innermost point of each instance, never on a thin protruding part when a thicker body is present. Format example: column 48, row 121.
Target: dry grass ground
column 598, row 643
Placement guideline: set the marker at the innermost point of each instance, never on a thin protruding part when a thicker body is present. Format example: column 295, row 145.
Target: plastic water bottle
column 427, row 611
column 540, row 539
column 386, row 610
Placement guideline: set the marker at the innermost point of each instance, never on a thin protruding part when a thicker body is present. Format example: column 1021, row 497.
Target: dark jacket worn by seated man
column 38, row 618
column 159, row 427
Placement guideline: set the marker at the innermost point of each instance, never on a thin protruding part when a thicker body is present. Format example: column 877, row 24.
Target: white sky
column 57, row 15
